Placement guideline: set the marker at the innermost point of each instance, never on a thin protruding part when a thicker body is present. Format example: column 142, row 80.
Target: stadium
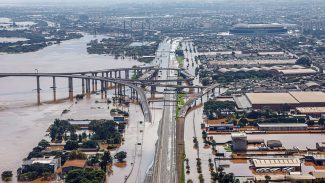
column 258, row 29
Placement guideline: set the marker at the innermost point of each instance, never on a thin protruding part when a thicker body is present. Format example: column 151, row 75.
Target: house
column 50, row 161
column 72, row 165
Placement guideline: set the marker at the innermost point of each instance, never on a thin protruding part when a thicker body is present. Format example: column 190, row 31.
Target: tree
column 6, row 175
column 75, row 154
column 106, row 160
column 321, row 121
column 304, row 60
column 87, row 175
column 71, row 145
column 120, row 156
column 43, row 144
column 89, row 144
column 267, row 178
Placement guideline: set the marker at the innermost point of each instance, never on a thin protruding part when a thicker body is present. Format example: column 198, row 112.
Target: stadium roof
column 257, row 26
column 271, row 98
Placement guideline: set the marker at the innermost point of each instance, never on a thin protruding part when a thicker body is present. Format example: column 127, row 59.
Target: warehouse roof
column 265, row 163
column 271, row 98
column 282, row 125
column 297, row 71
column 307, row 110
column 308, row 97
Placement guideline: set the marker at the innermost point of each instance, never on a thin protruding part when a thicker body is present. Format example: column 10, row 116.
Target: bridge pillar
column 106, row 83
column 54, row 89
column 127, row 72
column 96, row 82
column 88, row 87
column 83, row 85
column 38, row 89
column 110, row 75
column 119, row 74
column 101, row 89
column 153, row 91
column 219, row 90
column 137, row 96
column 71, row 88
column 92, row 84
column 115, row 74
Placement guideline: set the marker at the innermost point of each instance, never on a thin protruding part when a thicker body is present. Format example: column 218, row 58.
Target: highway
column 164, row 167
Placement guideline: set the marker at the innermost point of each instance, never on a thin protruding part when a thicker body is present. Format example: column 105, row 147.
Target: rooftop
column 238, row 135
column 282, row 125
column 271, row 98
column 297, row 71
column 308, row 97
column 304, row 110
column 265, row 163
column 75, row 163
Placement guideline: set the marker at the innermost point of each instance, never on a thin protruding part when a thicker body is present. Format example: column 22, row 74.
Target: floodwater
column 69, row 56
column 23, row 124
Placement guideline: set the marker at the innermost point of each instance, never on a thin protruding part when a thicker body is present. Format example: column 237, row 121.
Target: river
column 22, row 127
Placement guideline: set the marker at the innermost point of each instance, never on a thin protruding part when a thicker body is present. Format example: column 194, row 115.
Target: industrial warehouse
column 283, row 101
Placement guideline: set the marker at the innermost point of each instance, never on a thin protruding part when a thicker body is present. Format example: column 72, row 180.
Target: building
column 320, row 146
column 239, row 141
column 275, row 101
column 72, row 165
column 258, row 29
column 274, row 143
column 282, row 126
column 286, row 101
column 311, row 111
column 281, row 163
column 80, row 123
column 309, row 98
column 219, row 125
column 307, row 178
column 50, row 161
column 318, row 159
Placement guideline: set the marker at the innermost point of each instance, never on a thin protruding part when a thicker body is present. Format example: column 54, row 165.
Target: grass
column 180, row 102
column 227, row 148
column 180, row 60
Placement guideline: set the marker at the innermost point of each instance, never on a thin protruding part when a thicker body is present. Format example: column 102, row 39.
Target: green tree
column 304, row 60
column 71, row 145
column 6, row 175
column 120, row 156
column 75, row 154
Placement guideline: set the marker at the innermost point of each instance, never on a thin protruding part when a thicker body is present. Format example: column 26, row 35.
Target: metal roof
column 267, row 163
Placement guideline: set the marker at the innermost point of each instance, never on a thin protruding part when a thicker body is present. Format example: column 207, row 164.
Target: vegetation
column 34, row 41
column 304, row 60
column 85, row 176
column 34, row 171
column 75, row 154
column 234, row 76
column 218, row 109
column 6, row 175
column 59, row 129
column 122, row 47
column 107, row 130
column 120, row 156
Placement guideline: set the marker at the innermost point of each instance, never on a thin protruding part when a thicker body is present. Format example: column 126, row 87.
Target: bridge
column 90, row 81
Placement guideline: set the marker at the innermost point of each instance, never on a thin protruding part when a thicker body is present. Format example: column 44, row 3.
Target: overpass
column 135, row 90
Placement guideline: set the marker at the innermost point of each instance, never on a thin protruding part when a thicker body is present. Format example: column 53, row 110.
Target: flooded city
column 162, row 91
